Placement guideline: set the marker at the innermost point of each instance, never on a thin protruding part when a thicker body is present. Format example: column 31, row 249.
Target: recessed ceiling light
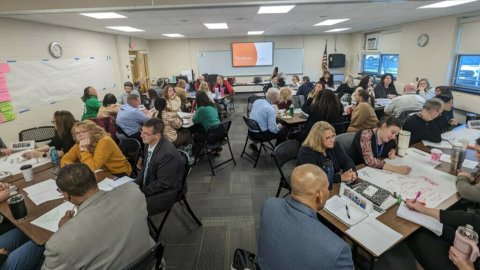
column 445, row 4
column 216, row 25
column 275, row 9
column 173, row 35
column 338, row 30
column 125, row 28
column 252, row 33
column 330, row 22
column 104, row 15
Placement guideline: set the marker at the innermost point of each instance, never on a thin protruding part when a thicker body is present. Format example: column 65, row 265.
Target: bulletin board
column 38, row 83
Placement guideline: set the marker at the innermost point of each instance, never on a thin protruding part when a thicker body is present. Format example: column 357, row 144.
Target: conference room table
column 291, row 121
column 390, row 218
column 37, row 234
column 192, row 96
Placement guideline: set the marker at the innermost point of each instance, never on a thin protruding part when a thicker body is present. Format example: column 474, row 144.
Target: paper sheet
column 426, row 221
column 13, row 162
column 336, row 206
column 374, row 235
column 462, row 133
column 43, row 192
column 108, row 184
column 49, row 220
column 442, row 144
column 470, row 164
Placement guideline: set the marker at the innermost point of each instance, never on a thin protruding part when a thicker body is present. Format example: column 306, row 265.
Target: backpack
column 244, row 260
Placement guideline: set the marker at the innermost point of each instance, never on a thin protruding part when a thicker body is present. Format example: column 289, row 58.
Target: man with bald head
column 410, row 101
column 291, row 235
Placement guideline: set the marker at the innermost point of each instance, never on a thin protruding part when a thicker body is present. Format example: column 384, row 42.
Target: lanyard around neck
column 379, row 150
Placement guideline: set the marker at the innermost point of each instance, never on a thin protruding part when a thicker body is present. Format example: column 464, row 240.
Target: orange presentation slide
column 252, row 54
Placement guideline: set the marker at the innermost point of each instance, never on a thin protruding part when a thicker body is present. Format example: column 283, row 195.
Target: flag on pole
column 324, row 59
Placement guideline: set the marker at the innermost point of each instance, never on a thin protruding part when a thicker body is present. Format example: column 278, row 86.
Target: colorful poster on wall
column 6, row 108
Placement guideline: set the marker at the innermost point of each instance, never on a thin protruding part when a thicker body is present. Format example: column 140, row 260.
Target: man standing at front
column 161, row 176
column 291, row 236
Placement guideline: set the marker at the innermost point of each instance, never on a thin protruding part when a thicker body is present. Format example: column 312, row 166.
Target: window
column 467, row 72
column 379, row 64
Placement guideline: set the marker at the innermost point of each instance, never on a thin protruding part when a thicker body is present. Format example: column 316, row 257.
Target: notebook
column 336, row 206
column 425, row 221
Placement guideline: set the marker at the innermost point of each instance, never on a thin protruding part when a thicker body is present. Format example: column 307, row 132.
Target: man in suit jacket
column 291, row 235
column 109, row 229
column 161, row 176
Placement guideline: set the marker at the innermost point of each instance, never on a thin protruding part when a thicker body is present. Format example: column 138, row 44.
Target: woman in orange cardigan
column 95, row 148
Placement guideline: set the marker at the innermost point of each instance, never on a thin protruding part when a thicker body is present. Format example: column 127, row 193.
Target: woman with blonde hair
column 173, row 101
column 347, row 87
column 424, row 89
column 182, row 92
column 95, row 148
column 320, row 146
column 284, row 98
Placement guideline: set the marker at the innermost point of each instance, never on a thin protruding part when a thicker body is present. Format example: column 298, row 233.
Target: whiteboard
column 289, row 61
column 37, row 83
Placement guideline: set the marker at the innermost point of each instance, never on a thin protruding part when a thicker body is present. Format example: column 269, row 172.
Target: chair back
column 284, row 153
column 250, row 101
column 108, row 124
column 298, row 101
column 186, row 172
column 131, row 149
column 216, row 136
column 150, row 258
column 37, row 134
column 345, row 142
column 341, row 127
column 252, row 124
column 405, row 115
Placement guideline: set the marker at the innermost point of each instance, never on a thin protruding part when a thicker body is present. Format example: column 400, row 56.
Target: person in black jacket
column 325, row 107
column 319, row 146
column 326, row 79
column 306, row 87
column 386, row 87
column 421, row 124
column 348, row 87
column 434, row 252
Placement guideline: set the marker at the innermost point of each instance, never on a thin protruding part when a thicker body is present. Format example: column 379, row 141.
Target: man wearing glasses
column 161, row 176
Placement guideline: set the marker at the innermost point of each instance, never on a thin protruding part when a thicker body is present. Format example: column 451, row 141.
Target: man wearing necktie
column 161, row 176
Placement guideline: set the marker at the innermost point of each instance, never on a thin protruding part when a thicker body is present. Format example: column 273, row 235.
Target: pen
column 416, row 196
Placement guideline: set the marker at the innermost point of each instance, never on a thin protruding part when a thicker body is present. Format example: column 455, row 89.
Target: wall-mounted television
column 252, row 54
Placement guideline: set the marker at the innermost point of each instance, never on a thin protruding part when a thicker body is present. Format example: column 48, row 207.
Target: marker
column 416, row 196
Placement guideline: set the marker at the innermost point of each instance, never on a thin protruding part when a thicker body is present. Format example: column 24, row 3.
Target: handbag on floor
column 244, row 260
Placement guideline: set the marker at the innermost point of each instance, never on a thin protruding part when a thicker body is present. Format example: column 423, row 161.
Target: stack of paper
column 374, row 235
column 442, row 144
column 43, row 192
column 108, row 184
column 49, row 221
column 426, row 221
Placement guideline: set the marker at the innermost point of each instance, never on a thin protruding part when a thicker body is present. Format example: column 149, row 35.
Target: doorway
column 140, row 70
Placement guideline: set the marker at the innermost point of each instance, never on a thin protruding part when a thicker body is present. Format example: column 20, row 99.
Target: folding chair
column 254, row 134
column 282, row 154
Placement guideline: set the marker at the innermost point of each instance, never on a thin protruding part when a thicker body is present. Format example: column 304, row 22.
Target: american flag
column 324, row 59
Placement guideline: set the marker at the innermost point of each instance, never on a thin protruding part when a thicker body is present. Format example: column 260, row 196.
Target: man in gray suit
column 109, row 229
column 291, row 236
column 161, row 176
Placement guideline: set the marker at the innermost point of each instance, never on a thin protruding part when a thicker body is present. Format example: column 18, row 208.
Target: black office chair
column 282, row 154
column 345, row 142
column 298, row 101
column 37, row 134
column 250, row 101
column 255, row 135
column 131, row 149
column 341, row 127
column 181, row 199
column 217, row 137
column 150, row 258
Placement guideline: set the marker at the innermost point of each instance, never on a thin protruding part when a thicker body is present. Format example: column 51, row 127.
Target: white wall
column 29, row 41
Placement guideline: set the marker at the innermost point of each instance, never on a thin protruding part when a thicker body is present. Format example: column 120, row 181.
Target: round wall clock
column 422, row 40
column 55, row 49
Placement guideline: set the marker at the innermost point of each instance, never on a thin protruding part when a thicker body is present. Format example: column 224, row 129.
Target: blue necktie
column 149, row 155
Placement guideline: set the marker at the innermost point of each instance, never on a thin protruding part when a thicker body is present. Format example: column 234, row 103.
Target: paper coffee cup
column 27, row 171
column 436, row 153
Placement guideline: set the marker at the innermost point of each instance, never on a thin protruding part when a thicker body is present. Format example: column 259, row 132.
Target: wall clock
column 422, row 40
column 55, row 49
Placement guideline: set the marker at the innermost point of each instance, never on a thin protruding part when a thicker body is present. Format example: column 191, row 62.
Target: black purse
column 244, row 260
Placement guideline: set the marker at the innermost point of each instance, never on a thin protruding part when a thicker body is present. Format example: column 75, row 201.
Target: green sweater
column 207, row 116
column 91, row 108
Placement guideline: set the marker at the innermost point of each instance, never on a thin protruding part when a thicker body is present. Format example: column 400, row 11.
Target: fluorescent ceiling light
column 445, row 4
column 251, row 33
column 275, row 9
column 216, row 25
column 330, row 22
column 173, row 35
column 125, row 28
column 338, row 30
column 104, row 15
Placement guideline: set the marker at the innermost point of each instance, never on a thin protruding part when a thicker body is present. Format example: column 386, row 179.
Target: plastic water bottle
column 330, row 172
column 291, row 110
column 217, row 93
column 54, row 155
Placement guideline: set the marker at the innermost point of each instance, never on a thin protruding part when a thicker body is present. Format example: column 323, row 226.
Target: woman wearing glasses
column 63, row 140
column 95, row 148
column 320, row 146
column 421, row 124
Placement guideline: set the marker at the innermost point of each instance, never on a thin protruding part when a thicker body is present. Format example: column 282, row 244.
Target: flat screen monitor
column 252, row 54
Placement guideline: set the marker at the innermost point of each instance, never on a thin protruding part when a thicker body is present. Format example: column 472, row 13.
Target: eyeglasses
column 145, row 133
column 80, row 132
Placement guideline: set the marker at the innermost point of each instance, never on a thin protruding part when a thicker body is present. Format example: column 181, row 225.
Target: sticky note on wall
column 6, row 112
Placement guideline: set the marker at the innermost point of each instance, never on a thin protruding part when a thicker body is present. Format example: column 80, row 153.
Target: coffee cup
column 435, row 154
column 27, row 171
column 16, row 203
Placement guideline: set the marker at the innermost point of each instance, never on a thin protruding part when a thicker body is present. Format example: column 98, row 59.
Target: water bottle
column 291, row 110
column 54, row 155
column 217, row 93
column 330, row 172
column 466, row 240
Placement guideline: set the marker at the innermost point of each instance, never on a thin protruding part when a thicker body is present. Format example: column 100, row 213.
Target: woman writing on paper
column 372, row 145
column 63, row 140
column 434, row 252
column 320, row 146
